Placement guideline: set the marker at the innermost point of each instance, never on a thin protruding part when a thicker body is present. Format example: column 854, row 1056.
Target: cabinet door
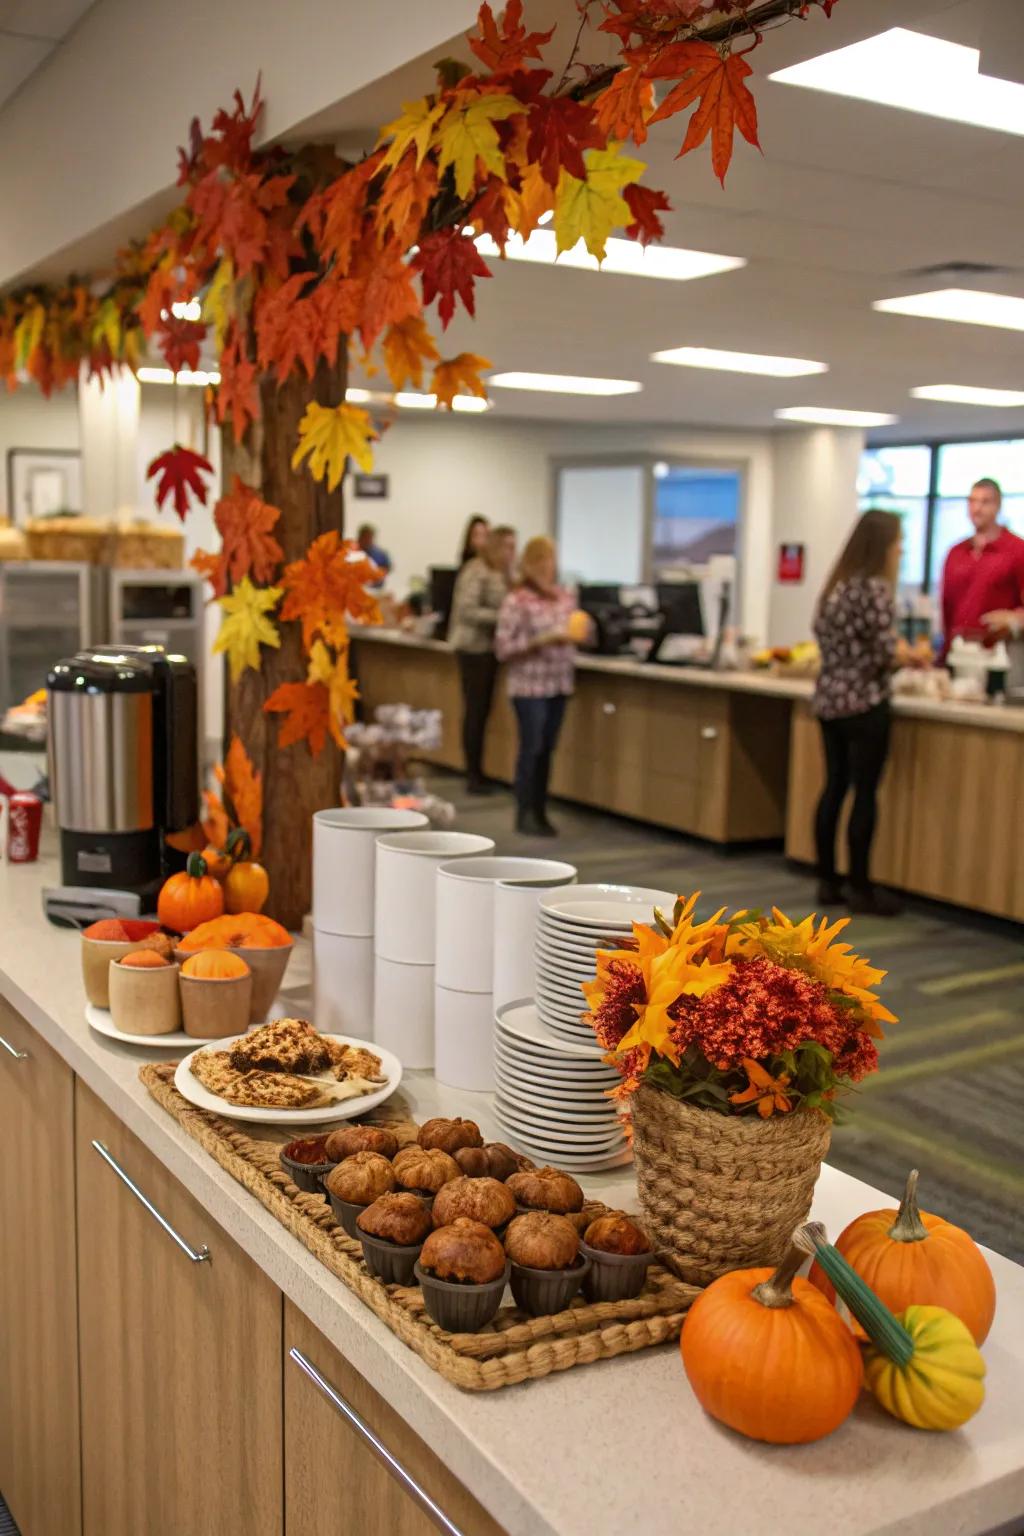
column 39, row 1461
column 334, row 1480
column 180, row 1360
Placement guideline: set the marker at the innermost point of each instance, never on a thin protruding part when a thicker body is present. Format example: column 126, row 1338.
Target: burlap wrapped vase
column 722, row 1192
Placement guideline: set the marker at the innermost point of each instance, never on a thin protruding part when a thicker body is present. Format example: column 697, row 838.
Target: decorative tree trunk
column 295, row 784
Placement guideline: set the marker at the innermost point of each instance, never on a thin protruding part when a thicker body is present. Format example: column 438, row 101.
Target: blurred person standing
column 983, row 577
column 474, row 538
column 366, row 538
column 480, row 589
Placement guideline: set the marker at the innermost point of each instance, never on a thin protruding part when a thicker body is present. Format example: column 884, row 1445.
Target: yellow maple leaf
column 219, row 303
column 591, row 209
column 245, row 625
column 29, row 332
column 459, row 376
column 107, row 326
column 467, row 134
column 328, row 434
column 524, row 208
column 342, row 690
column 406, row 347
column 413, row 127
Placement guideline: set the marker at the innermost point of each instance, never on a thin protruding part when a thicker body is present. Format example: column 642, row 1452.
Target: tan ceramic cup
column 268, row 967
column 144, row 1001
column 216, row 1006
column 96, row 957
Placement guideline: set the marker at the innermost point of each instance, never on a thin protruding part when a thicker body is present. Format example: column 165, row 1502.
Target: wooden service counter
column 736, row 757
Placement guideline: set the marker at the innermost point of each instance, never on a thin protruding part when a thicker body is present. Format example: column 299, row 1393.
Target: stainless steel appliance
column 48, row 608
column 123, row 763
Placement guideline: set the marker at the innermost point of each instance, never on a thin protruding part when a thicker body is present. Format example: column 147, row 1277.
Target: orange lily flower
column 767, row 1092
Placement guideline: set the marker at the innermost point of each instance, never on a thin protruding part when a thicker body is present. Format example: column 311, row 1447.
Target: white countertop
column 598, row 1448
column 762, row 683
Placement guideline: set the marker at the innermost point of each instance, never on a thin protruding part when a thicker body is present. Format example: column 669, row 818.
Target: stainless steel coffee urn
column 123, row 763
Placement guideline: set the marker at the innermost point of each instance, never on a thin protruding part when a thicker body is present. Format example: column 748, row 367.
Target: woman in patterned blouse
column 855, row 629
column 533, row 640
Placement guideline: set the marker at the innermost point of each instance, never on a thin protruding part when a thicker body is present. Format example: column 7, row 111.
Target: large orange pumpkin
column 215, row 965
column 189, row 898
column 766, row 1354
column 910, row 1257
column 238, row 930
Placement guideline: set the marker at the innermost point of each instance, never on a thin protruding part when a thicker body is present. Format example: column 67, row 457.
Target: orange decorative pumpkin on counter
column 911, row 1258
column 767, row 1355
column 189, row 898
column 246, row 884
column 214, row 965
column 143, row 960
column 238, row 930
column 217, row 861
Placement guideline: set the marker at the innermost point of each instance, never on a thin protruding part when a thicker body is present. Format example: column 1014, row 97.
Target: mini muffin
column 546, row 1189
column 484, row 1200
column 547, row 1269
column 392, row 1231
column 615, row 1233
column 450, row 1135
column 306, row 1163
column 349, row 1139
column 424, row 1170
column 619, row 1254
column 356, row 1183
column 462, row 1271
column 491, row 1161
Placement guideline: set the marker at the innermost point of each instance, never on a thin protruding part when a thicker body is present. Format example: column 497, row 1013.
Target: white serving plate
column 550, row 1002
column 594, row 906
column 193, row 1090
column 582, row 941
column 521, row 1020
column 555, row 1058
column 552, row 1095
column 559, row 1138
column 538, row 1078
column 569, row 988
column 101, row 1021
column 570, row 1162
column 597, row 1117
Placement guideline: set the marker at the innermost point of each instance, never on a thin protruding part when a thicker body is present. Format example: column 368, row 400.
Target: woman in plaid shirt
column 533, row 640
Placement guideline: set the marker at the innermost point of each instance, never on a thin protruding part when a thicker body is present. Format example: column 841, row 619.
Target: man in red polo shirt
column 983, row 578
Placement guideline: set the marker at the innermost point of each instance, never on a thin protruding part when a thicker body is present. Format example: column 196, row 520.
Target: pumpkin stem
column 777, row 1291
column 196, row 866
column 238, row 845
column 881, row 1327
column 908, row 1226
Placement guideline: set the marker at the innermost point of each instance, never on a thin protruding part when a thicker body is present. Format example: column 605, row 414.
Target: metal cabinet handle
column 379, row 1449
column 610, row 709
column 197, row 1255
column 709, row 733
column 9, row 1048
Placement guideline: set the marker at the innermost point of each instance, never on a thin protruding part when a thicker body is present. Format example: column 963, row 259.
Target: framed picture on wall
column 41, row 481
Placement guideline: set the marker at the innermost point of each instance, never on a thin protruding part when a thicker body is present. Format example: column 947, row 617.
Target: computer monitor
column 597, row 595
column 442, row 590
column 680, row 605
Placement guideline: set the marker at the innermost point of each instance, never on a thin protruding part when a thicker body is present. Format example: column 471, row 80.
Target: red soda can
column 24, row 820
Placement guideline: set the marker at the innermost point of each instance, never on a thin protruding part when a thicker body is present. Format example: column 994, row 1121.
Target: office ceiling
column 30, row 30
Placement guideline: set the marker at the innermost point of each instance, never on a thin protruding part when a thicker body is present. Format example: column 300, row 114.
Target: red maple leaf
column 490, row 213
column 388, row 295
column 306, row 707
column 560, row 130
column 179, row 341
column 717, row 84
column 506, row 48
column 180, row 473
column 449, row 264
column 285, row 328
column 645, row 203
column 248, row 548
column 236, row 393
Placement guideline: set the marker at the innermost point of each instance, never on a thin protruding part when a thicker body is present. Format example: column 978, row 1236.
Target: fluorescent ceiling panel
column 739, row 362
column 565, row 384
column 917, row 73
column 412, row 400
column 969, row 394
column 670, row 262
column 966, row 306
column 833, row 416
column 184, row 376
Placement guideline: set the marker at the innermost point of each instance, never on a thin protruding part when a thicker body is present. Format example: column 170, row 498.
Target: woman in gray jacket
column 480, row 590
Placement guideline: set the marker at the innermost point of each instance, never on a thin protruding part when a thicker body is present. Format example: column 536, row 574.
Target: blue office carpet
column 7, row 1525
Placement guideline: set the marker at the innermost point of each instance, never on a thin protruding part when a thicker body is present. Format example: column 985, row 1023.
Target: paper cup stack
column 404, row 936
column 344, row 877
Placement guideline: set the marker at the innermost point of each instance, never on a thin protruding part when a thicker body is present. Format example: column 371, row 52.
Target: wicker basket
column 721, row 1192
column 88, row 539
column 147, row 546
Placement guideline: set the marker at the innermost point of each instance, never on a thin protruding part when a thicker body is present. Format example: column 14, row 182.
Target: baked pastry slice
column 255, row 1089
column 354, row 1061
column 284, row 1045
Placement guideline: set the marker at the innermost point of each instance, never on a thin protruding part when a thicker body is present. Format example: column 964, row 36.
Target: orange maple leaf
column 209, row 567
column 243, row 790
column 327, row 585
column 215, row 823
column 244, row 521
column 717, row 84
column 236, row 393
column 286, row 328
column 336, row 215
column 459, row 376
column 389, row 296
column 406, row 347
column 622, row 111
column 405, row 197
column 508, row 46
column 307, row 714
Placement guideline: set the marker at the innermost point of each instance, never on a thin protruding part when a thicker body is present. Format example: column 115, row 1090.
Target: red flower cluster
column 764, row 1009
column 623, row 991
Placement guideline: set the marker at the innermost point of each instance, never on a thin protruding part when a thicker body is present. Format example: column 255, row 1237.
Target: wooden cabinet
column 334, row 1480
column 181, row 1360
column 39, row 1456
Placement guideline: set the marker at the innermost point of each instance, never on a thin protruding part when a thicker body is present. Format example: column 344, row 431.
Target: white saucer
column 521, row 1020
column 561, row 1139
column 192, row 1089
column 594, row 906
column 553, row 1057
column 597, row 1117
column 100, row 1020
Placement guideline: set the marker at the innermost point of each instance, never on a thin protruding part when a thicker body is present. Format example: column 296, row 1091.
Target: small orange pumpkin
column 911, row 1258
column 190, row 897
column 239, row 930
column 143, row 960
column 215, row 965
column 766, row 1354
column 217, row 861
column 246, row 884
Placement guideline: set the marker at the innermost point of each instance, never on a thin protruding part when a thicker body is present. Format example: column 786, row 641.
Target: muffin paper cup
column 543, row 1291
column 308, row 1177
column 345, row 1214
column 461, row 1308
column 393, row 1263
column 614, row 1276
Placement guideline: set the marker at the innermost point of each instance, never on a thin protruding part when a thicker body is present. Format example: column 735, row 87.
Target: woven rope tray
column 511, row 1349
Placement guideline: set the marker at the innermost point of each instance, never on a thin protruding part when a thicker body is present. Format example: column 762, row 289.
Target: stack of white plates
column 551, row 1096
column 574, row 924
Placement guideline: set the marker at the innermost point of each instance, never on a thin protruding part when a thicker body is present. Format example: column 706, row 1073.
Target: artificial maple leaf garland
column 179, row 475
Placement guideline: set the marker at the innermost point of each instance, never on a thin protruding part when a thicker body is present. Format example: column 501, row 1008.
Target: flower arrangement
column 738, row 1014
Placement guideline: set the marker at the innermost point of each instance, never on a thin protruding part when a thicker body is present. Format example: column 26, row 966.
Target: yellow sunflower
column 833, row 964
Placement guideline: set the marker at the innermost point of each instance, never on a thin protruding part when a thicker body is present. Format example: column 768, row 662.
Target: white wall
column 815, row 504
column 29, row 421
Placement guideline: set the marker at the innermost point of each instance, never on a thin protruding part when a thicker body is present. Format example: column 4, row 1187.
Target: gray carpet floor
column 949, row 1098
column 7, row 1525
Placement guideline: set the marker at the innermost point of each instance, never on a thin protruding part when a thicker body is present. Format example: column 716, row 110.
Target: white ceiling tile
column 19, row 57
column 41, row 18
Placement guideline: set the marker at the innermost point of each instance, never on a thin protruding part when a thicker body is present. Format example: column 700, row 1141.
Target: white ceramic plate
column 192, row 1089
column 571, row 1162
column 572, row 942
column 591, row 906
column 522, row 1021
column 100, row 1020
column 554, row 1058
column 564, row 984
column 554, row 1002
column 538, row 1080
column 560, row 1138
column 549, row 1093
column 553, row 1111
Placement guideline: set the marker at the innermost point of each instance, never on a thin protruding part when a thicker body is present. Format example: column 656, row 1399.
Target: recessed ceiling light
column 192, row 310
column 832, row 416
column 413, row 400
column 969, row 394
column 738, row 362
column 670, row 262
column 565, row 383
column 964, row 305
column 185, row 376
column 918, row 73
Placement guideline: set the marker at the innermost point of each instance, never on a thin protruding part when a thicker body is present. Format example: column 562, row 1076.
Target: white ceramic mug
column 343, row 984
column 403, row 1011
column 465, row 916
column 516, row 903
column 345, row 861
column 464, row 1040
column 406, row 889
